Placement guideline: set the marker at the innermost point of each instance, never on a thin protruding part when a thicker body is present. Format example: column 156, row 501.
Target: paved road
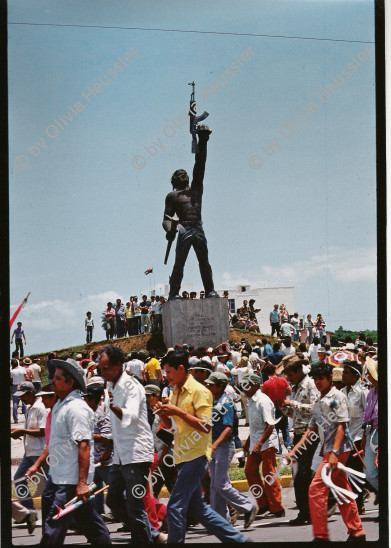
column 262, row 530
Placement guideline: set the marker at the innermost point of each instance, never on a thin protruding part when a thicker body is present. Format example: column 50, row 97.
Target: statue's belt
column 190, row 223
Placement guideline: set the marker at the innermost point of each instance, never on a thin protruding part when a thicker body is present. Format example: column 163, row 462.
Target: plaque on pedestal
column 198, row 322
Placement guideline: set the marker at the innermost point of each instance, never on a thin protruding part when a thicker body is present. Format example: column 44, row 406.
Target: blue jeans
column 371, row 471
column 21, row 488
column 15, row 401
column 86, row 519
column 187, row 496
column 125, row 477
column 221, row 490
column 283, row 426
column 101, row 475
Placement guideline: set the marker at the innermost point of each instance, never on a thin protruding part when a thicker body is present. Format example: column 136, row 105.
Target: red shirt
column 275, row 388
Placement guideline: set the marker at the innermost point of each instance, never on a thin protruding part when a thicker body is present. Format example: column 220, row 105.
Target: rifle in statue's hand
column 170, row 235
column 194, row 119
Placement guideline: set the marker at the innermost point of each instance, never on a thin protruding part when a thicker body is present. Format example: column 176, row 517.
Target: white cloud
column 356, row 265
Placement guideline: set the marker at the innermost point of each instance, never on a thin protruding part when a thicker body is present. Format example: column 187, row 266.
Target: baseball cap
column 25, row 387
column 152, row 389
column 98, row 381
column 46, row 391
column 203, row 364
column 217, row 378
column 250, row 378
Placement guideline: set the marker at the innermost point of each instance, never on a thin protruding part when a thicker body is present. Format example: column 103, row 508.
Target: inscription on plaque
column 200, row 326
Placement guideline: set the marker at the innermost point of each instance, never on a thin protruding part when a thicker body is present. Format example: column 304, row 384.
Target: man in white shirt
column 262, row 445
column 135, row 367
column 356, row 394
column 313, row 350
column 18, row 375
column 71, row 458
column 133, row 445
column 34, row 440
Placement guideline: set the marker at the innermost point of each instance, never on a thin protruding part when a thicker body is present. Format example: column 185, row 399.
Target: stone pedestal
column 198, row 322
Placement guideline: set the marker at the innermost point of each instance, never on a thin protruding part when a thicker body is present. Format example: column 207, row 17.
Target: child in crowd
column 89, row 327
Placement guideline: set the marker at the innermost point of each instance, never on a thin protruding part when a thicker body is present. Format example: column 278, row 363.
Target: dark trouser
column 137, row 323
column 37, row 385
column 158, row 323
column 282, row 426
column 86, row 518
column 304, row 475
column 89, row 334
column 120, row 328
column 194, row 236
column 356, row 464
column 275, row 329
column 131, row 478
column 19, row 347
column 130, row 326
column 101, row 475
column 169, row 474
column 47, row 500
column 15, row 401
column 110, row 330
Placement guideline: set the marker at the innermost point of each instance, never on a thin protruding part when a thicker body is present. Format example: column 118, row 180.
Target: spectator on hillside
column 88, row 327
column 19, row 335
column 120, row 318
column 295, row 322
column 309, row 329
column 110, row 320
column 137, row 316
column 145, row 319
column 320, row 327
column 158, row 315
column 129, row 317
column 275, row 320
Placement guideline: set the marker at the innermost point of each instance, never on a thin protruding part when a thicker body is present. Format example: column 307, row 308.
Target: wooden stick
column 358, row 454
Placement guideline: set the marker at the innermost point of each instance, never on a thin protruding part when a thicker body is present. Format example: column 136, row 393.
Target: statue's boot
column 212, row 295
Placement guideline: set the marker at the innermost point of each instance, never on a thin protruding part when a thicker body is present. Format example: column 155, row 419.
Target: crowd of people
column 133, row 423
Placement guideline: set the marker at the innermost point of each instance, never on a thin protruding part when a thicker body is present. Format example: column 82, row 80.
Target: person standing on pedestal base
column 186, row 202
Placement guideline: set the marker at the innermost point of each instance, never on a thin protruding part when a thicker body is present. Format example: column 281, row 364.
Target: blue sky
column 290, row 185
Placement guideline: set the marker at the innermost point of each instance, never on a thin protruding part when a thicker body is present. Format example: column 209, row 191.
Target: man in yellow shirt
column 152, row 369
column 190, row 407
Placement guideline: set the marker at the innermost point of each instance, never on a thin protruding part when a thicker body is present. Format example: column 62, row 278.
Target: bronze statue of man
column 186, row 201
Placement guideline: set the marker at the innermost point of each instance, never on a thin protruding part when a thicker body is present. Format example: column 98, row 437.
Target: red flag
column 149, row 271
column 18, row 309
